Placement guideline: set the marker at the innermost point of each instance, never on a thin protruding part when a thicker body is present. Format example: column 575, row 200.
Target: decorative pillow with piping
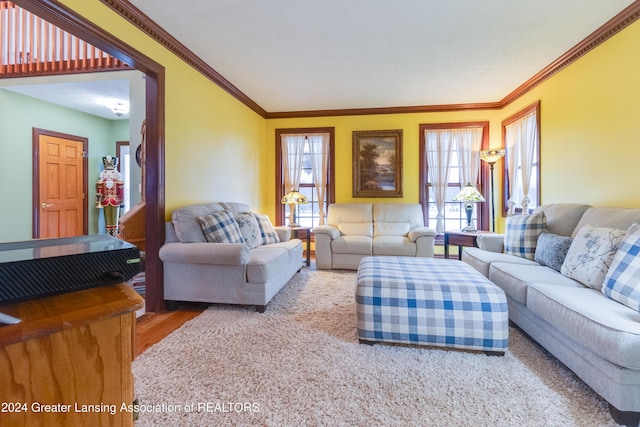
column 267, row 231
column 622, row 282
column 551, row 250
column 590, row 254
column 250, row 229
column 220, row 227
column 521, row 234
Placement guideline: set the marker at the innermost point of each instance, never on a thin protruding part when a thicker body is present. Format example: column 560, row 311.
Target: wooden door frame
column 70, row 21
column 35, row 185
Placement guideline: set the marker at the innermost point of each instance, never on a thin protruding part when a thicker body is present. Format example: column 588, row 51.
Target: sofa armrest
column 417, row 232
column 328, row 230
column 491, row 242
column 284, row 232
column 205, row 253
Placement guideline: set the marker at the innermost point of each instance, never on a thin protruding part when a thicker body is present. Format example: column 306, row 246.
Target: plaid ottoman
column 427, row 301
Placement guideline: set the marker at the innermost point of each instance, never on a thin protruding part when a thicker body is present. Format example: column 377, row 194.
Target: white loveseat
column 196, row 270
column 594, row 335
column 356, row 230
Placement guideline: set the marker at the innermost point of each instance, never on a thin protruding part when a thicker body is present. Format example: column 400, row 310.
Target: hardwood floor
column 153, row 327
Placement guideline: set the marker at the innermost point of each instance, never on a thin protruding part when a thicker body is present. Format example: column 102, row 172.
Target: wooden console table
column 68, row 363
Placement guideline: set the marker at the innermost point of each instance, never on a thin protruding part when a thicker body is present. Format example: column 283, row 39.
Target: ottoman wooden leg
column 494, row 353
column 367, row 342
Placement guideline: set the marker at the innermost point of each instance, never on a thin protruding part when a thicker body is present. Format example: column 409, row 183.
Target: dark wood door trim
column 68, row 20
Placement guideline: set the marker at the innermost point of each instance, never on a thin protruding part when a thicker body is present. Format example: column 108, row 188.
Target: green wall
column 19, row 114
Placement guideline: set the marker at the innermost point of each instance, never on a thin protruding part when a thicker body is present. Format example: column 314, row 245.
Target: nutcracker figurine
column 110, row 194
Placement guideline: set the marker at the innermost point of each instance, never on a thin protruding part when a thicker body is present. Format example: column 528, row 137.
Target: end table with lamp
column 469, row 234
column 294, row 198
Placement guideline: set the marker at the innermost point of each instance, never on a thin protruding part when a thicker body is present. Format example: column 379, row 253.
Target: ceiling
column 292, row 55
column 92, row 93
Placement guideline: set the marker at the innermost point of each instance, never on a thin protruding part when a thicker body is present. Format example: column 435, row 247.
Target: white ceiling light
column 120, row 109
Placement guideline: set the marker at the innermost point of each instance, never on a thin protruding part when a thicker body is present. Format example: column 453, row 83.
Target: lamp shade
column 294, row 198
column 468, row 194
column 491, row 156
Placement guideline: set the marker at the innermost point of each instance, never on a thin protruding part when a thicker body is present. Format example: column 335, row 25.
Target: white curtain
column 439, row 146
column 319, row 150
column 521, row 141
column 469, row 142
column 292, row 156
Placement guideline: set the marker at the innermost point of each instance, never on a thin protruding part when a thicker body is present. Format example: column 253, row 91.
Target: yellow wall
column 214, row 143
column 218, row 149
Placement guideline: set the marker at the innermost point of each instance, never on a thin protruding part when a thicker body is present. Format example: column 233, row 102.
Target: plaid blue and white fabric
column 221, row 227
column 521, row 234
column 622, row 282
column 269, row 235
column 430, row 301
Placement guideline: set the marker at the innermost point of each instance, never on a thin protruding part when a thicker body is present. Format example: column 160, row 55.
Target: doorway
column 60, row 185
column 154, row 103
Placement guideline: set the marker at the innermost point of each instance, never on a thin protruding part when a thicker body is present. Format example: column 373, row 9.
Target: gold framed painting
column 377, row 163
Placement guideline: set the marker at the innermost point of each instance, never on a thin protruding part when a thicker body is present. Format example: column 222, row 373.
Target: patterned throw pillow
column 590, row 255
column 250, row 229
column 521, row 234
column 551, row 250
column 220, row 227
column 269, row 235
column 622, row 282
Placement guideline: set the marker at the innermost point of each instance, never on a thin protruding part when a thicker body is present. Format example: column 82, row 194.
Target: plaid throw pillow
column 269, row 235
column 521, row 234
column 220, row 227
column 622, row 282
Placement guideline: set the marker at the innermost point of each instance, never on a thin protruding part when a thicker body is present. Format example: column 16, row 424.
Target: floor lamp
column 491, row 157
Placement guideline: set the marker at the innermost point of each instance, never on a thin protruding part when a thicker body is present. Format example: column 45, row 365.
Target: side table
column 306, row 233
column 461, row 239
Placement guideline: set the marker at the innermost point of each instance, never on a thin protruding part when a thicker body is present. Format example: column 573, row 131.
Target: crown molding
column 610, row 28
column 159, row 34
column 134, row 15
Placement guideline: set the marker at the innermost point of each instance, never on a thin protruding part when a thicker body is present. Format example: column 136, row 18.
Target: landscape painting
column 377, row 163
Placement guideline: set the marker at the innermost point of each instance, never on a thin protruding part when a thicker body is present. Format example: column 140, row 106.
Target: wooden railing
column 30, row 46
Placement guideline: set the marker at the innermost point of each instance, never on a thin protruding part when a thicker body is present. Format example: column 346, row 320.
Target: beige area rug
column 300, row 364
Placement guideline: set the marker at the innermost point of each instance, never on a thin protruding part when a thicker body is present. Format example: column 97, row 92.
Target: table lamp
column 491, row 157
column 292, row 199
column 469, row 195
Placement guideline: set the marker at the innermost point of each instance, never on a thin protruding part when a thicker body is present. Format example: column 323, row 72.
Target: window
column 521, row 178
column 311, row 143
column 456, row 164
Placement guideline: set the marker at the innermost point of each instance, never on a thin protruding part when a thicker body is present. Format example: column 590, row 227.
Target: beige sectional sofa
column 356, row 230
column 197, row 270
column 594, row 335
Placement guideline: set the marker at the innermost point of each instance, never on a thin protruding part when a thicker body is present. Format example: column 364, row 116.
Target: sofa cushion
column 607, row 328
column 267, row 231
column 186, row 224
column 221, row 227
column 391, row 228
column 356, row 228
column 590, row 254
column 357, row 245
column 515, row 278
column 551, row 250
column 266, row 263
column 394, row 246
column 249, row 228
column 619, row 218
column 481, row 259
column 622, row 282
column 521, row 235
column 398, row 213
column 562, row 218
